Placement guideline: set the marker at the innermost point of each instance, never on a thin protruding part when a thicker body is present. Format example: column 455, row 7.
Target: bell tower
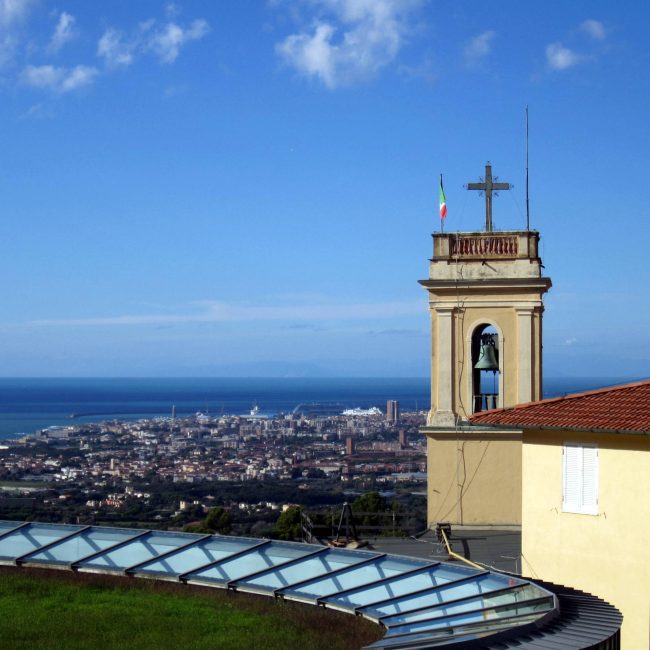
column 485, row 301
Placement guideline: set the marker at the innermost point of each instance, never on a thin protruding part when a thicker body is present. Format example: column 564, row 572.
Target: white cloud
column 11, row 11
column 594, row 28
column 38, row 112
column 349, row 40
column 172, row 10
column 559, row 57
column 63, row 33
column 77, row 77
column 167, row 41
column 58, row 79
column 7, row 47
column 164, row 40
column 312, row 55
column 479, row 47
column 212, row 311
column 114, row 50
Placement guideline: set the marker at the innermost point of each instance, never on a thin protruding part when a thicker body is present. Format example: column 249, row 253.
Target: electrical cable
column 461, row 367
column 462, row 209
column 514, row 199
column 460, row 448
column 461, row 309
column 465, row 474
column 530, row 566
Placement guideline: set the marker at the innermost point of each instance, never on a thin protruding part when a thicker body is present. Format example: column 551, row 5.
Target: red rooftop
column 623, row 408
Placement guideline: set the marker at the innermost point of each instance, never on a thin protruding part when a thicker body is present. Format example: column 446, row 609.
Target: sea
column 28, row 405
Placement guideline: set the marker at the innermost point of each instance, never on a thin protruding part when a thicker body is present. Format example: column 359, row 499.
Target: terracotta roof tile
column 619, row 408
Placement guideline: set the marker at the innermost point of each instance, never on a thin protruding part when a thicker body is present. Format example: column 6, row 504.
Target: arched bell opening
column 485, row 368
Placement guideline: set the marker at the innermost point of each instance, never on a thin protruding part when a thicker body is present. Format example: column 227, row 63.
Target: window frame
column 586, row 481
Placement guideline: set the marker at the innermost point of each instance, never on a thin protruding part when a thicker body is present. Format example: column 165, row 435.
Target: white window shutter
column 572, row 478
column 590, row 480
column 580, row 479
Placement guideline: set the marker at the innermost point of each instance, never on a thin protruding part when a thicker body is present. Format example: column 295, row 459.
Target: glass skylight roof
column 417, row 601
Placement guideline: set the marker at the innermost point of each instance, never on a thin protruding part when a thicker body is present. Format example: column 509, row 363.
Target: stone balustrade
column 486, row 245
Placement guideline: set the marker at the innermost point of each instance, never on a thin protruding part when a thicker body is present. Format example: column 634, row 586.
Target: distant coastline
column 27, row 405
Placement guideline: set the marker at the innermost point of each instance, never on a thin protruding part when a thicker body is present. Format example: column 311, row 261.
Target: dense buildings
column 142, row 471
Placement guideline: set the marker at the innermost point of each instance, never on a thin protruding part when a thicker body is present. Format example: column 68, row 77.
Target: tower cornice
column 481, row 285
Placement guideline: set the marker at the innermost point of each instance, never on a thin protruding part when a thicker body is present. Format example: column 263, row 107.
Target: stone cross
column 488, row 186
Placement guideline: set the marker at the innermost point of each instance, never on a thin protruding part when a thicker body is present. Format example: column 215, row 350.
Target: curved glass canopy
column 420, row 603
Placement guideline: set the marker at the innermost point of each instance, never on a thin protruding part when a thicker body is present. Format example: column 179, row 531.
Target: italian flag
column 443, row 201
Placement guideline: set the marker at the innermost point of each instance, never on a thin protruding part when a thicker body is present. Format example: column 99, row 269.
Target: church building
column 485, row 300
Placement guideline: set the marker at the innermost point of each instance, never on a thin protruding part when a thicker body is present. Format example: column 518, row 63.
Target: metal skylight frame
column 233, row 584
column 462, row 626
column 22, row 559
column 302, row 583
column 378, row 583
column 78, row 565
column 133, row 569
column 489, row 594
column 23, row 532
column 184, row 577
column 357, row 563
column 393, row 599
column 9, row 531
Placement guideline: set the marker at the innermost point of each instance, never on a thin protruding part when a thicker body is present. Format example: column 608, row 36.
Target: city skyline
column 195, row 189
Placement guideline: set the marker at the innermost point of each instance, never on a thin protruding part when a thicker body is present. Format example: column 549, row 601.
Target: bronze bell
column 487, row 358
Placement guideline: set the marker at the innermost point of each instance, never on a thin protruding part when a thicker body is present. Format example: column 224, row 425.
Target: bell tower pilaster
column 445, row 415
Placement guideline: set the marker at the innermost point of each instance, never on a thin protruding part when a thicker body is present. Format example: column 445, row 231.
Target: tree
column 370, row 502
column 289, row 524
column 218, row 520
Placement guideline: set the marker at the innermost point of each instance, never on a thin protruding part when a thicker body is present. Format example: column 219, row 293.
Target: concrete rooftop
column 496, row 548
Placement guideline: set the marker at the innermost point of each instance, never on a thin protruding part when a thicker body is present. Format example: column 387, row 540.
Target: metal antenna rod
column 527, row 201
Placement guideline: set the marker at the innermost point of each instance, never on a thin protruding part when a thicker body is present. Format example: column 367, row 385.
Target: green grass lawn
column 47, row 610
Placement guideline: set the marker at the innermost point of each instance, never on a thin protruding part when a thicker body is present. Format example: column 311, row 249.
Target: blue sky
column 249, row 188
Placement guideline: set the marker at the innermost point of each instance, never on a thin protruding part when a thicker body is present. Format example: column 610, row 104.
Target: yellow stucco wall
column 474, row 478
column 606, row 554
